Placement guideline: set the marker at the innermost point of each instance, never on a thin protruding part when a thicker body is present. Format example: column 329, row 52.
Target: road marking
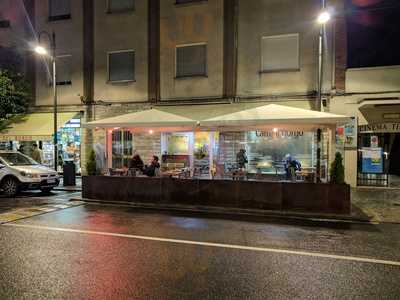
column 28, row 212
column 210, row 244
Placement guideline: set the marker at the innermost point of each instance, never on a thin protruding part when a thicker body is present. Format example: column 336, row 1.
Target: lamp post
column 43, row 51
column 322, row 19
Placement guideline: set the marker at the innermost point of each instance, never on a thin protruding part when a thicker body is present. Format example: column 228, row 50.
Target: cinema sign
column 378, row 128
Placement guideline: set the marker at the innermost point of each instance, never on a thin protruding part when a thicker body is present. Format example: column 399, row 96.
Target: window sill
column 190, row 77
column 121, row 81
column 64, row 83
column 279, row 71
column 191, row 3
column 120, row 12
column 59, row 18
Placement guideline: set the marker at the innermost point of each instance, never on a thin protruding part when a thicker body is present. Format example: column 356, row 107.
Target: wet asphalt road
column 108, row 252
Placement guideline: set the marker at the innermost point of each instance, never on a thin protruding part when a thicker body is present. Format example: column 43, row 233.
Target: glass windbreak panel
column 202, row 148
column 265, row 152
column 121, row 148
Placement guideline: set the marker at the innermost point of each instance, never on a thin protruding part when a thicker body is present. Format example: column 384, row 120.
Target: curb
column 236, row 211
column 67, row 189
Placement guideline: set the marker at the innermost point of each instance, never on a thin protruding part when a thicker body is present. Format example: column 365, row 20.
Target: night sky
column 374, row 33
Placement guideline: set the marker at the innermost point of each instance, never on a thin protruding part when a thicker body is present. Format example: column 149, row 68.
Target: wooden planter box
column 287, row 196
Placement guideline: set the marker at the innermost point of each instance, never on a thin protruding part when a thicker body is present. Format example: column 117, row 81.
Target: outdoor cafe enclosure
column 203, row 141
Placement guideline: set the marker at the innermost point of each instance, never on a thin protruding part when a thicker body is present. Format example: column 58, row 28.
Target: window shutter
column 120, row 5
column 122, row 66
column 63, row 64
column 191, row 60
column 59, row 8
column 280, row 52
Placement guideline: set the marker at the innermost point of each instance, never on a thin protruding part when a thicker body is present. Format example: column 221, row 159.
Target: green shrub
column 91, row 164
column 337, row 170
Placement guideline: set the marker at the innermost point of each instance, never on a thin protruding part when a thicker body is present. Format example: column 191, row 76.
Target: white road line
column 209, row 244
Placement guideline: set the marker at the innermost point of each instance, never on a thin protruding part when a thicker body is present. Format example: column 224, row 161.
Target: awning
column 274, row 114
column 150, row 118
column 35, row 127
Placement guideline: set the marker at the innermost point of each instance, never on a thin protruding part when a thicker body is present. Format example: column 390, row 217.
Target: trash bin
column 69, row 176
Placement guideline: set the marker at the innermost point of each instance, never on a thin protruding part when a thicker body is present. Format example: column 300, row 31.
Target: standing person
column 36, row 153
column 241, row 159
column 152, row 169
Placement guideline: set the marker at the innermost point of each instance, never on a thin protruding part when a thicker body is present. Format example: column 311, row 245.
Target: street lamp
column 43, row 51
column 322, row 19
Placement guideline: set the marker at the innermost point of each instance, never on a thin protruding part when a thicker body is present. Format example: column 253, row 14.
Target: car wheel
column 10, row 187
column 46, row 190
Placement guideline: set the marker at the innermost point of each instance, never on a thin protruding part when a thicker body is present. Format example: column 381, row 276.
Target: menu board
column 372, row 160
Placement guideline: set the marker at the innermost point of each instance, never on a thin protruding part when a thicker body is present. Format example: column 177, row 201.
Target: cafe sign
column 280, row 133
column 380, row 127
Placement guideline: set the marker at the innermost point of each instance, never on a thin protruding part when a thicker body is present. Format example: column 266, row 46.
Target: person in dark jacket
column 241, row 159
column 136, row 162
column 153, row 167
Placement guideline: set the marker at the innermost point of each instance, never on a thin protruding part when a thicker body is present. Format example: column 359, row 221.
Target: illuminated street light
column 40, row 50
column 324, row 17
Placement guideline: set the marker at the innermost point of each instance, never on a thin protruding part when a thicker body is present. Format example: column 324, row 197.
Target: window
column 191, row 60
column 120, row 5
column 121, row 66
column 122, row 148
column 59, row 10
column 188, row 1
column 4, row 24
column 280, row 53
column 63, row 72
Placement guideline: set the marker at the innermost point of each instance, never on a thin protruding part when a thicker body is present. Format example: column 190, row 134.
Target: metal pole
column 55, row 141
column 320, row 60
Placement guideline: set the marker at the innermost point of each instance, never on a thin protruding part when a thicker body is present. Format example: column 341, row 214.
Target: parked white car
column 19, row 172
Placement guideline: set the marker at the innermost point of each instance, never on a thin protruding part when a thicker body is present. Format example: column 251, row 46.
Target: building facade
column 116, row 57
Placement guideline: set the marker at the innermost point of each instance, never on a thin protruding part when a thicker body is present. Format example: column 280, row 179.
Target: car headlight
column 29, row 175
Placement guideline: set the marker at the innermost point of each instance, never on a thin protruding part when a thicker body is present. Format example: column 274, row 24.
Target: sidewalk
column 76, row 188
column 376, row 204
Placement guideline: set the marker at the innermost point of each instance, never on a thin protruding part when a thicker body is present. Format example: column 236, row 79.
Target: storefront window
column 122, row 148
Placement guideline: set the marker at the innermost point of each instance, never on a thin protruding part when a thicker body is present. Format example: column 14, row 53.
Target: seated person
column 136, row 162
column 152, row 169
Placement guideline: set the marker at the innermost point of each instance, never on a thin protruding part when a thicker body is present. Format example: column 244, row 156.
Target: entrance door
column 394, row 160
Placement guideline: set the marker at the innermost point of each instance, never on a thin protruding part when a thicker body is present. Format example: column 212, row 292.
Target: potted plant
column 91, row 168
column 337, row 170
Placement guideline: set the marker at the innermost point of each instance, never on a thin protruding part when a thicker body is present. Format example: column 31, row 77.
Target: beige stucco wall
column 13, row 36
column 200, row 22
column 263, row 18
column 115, row 32
column 377, row 79
column 69, row 39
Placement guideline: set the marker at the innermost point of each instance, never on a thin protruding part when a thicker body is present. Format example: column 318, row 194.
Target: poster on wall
column 372, row 160
column 350, row 133
column 374, row 141
column 346, row 135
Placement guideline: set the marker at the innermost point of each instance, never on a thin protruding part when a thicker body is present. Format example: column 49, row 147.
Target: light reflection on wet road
column 43, row 264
